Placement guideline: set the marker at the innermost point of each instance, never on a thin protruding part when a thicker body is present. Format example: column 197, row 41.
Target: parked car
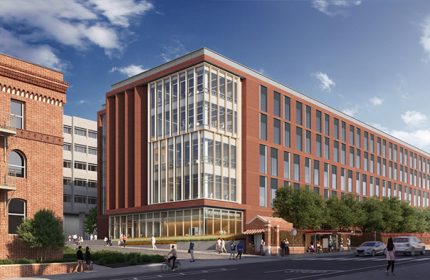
column 370, row 248
column 409, row 245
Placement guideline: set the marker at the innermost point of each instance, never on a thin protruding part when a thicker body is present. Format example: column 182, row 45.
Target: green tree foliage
column 90, row 223
column 43, row 232
column 373, row 219
column 339, row 215
column 305, row 209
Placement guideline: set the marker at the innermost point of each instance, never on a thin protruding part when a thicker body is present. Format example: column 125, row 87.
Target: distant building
column 200, row 144
column 31, row 147
column 80, row 172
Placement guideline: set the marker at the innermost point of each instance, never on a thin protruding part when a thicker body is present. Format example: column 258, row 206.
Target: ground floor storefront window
column 172, row 223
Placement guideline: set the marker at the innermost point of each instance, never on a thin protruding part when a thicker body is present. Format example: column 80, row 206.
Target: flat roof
column 258, row 75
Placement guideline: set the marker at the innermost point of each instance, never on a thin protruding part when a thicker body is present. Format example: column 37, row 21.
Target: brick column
column 268, row 239
column 277, row 240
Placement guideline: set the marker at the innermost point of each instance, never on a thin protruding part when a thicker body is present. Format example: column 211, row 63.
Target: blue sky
column 368, row 58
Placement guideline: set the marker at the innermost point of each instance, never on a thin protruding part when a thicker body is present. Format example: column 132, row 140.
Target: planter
column 29, row 270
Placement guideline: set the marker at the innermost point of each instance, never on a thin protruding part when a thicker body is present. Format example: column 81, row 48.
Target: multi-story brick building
column 200, row 144
column 31, row 135
column 80, row 172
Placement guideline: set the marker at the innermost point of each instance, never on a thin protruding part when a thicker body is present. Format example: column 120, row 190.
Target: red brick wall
column 41, row 141
column 29, row 270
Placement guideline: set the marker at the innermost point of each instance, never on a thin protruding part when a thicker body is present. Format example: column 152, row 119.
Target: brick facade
column 42, row 92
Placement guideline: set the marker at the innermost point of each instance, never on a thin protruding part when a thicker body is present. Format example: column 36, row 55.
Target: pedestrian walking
column 223, row 249
column 191, row 251
column 153, row 242
column 262, row 247
column 88, row 260
column 239, row 250
column 287, row 246
column 218, row 245
column 391, row 255
column 232, row 250
column 283, row 247
column 80, row 259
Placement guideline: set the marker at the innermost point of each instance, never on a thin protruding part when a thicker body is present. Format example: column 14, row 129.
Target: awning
column 253, row 231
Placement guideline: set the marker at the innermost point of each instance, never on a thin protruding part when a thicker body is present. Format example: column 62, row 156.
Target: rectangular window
column 326, row 175
column 263, row 99
column 318, row 121
column 308, row 171
column 358, row 138
column 17, row 113
column 80, row 199
column 365, row 159
column 80, row 131
column 263, row 127
column 299, row 119
column 286, row 165
column 263, row 159
column 67, row 164
column 277, row 131
column 366, row 140
column 92, row 134
column 287, row 109
column 336, row 151
column 67, row 181
column 80, row 165
column 67, row 198
column 92, row 167
column 351, row 135
column 80, row 148
column 263, row 191
column 308, row 117
column 287, row 137
column 333, row 177
column 80, row 182
column 273, row 162
column 67, row 129
column 277, row 104
column 336, row 129
column 371, row 144
column 92, row 184
column 326, row 124
column 350, row 173
column 318, row 145
column 92, row 150
column 343, row 154
column 342, row 180
column 326, row 148
column 343, row 131
column 351, row 156
column 67, row 147
column 308, row 142
column 299, row 144
column 316, row 172
column 296, row 167
column 273, row 189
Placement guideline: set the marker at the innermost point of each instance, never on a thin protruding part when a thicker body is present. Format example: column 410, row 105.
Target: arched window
column 17, row 213
column 16, row 164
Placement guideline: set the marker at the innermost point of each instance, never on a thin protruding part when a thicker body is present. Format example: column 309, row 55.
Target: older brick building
column 31, row 147
column 200, row 145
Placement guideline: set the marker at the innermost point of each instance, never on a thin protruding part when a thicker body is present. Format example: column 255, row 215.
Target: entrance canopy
column 260, row 223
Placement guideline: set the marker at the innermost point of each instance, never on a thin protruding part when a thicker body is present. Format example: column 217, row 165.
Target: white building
column 79, row 172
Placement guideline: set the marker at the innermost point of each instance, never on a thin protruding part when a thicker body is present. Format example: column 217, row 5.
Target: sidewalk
column 204, row 259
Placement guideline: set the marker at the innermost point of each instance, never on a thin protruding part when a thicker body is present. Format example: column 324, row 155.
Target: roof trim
column 252, row 72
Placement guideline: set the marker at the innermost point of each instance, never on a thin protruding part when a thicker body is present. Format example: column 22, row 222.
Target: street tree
column 90, row 223
column 44, row 232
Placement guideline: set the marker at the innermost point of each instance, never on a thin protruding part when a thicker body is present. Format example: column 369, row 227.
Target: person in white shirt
column 153, row 242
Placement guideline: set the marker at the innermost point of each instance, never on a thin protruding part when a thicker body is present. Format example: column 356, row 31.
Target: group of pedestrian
column 76, row 239
column 285, row 247
column 220, row 246
column 122, row 240
column 84, row 261
column 108, row 241
column 236, row 250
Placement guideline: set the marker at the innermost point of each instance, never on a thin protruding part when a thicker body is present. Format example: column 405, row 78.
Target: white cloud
column 325, row 82
column 334, row 7
column 414, row 118
column 376, row 101
column 173, row 50
column 39, row 54
column 130, row 70
column 350, row 111
column 419, row 138
column 74, row 23
column 425, row 37
column 380, row 127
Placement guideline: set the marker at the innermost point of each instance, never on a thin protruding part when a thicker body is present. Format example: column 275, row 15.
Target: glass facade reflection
column 194, row 142
column 183, row 222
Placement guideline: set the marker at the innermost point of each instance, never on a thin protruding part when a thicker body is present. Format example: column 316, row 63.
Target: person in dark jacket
column 80, row 258
column 191, row 251
column 88, row 261
column 239, row 249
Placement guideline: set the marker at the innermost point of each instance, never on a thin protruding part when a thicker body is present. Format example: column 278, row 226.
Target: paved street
column 304, row 267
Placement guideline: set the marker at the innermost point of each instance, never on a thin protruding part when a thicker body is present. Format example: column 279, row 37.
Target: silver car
column 370, row 248
column 409, row 245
